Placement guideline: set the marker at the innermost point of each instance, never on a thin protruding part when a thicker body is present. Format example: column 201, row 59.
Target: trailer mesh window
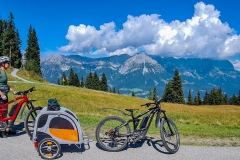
column 60, row 123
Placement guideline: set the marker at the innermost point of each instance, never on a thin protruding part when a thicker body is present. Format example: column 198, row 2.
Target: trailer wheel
column 49, row 148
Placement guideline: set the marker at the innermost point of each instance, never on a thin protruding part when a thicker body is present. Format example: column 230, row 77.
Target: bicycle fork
column 169, row 126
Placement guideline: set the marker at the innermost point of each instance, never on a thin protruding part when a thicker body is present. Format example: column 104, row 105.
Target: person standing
column 4, row 89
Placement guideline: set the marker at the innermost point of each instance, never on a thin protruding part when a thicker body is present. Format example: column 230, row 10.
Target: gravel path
column 14, row 74
column 19, row 147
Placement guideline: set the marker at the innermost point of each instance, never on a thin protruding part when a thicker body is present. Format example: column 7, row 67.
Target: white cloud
column 202, row 36
column 236, row 64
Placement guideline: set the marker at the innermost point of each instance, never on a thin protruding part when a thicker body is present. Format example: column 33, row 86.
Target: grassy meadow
column 193, row 122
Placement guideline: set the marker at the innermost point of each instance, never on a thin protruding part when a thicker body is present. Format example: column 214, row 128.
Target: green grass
column 201, row 122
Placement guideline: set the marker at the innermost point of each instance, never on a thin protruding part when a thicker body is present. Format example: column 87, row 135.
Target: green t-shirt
column 3, row 82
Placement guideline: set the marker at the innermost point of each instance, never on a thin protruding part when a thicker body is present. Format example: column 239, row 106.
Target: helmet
column 4, row 59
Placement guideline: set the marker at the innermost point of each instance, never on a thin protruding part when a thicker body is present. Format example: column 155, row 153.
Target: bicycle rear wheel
column 110, row 135
column 170, row 136
column 30, row 120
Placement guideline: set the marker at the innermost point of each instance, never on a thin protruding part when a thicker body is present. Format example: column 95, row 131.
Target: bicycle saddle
column 130, row 110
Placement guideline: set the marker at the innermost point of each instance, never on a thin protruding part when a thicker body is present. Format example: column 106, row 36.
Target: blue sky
column 96, row 28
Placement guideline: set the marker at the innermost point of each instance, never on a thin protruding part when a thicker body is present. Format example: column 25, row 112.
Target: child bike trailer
column 55, row 127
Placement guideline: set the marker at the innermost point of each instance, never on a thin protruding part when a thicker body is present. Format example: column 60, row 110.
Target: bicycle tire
column 170, row 141
column 29, row 121
column 49, row 148
column 110, row 139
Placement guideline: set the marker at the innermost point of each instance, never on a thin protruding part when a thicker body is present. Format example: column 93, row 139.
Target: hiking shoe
column 4, row 135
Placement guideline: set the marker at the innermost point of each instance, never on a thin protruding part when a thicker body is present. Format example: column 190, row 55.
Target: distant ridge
column 141, row 71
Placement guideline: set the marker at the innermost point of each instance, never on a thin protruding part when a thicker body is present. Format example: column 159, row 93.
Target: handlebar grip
column 18, row 93
column 147, row 104
column 31, row 89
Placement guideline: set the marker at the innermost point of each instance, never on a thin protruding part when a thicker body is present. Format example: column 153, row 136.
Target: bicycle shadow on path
column 150, row 141
column 19, row 128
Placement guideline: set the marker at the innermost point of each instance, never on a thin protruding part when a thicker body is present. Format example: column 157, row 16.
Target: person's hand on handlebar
column 11, row 90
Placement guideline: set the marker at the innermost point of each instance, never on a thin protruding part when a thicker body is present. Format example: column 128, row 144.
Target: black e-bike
column 113, row 133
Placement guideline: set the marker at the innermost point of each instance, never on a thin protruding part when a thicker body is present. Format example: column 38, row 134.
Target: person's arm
column 12, row 90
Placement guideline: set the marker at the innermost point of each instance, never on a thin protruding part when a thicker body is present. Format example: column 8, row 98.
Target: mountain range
column 140, row 72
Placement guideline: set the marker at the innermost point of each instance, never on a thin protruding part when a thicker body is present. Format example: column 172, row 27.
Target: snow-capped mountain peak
column 141, row 62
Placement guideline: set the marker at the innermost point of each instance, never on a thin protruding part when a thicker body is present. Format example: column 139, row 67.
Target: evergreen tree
column 32, row 54
column 206, row 98
column 89, row 79
column 213, row 97
column 155, row 94
column 216, row 97
column 11, row 42
column 71, row 77
column 238, row 98
column 17, row 55
column 177, row 87
column 220, row 96
column 103, row 83
column 1, row 36
column 225, row 99
column 3, row 29
column 114, row 89
column 64, row 79
column 233, row 100
column 58, row 82
column 199, row 100
column 82, row 82
column 190, row 101
column 95, row 81
column 169, row 93
column 133, row 94
column 195, row 100
column 76, row 79
column 150, row 95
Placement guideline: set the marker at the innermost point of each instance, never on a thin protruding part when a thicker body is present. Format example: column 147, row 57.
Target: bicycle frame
column 151, row 115
column 21, row 100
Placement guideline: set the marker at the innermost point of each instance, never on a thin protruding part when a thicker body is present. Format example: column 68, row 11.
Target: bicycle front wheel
column 30, row 120
column 170, row 136
column 112, row 133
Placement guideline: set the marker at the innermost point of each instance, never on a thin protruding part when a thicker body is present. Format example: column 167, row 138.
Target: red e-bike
column 18, row 103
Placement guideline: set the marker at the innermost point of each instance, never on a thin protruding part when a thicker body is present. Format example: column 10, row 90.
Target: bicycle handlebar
column 157, row 102
column 150, row 103
column 26, row 91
